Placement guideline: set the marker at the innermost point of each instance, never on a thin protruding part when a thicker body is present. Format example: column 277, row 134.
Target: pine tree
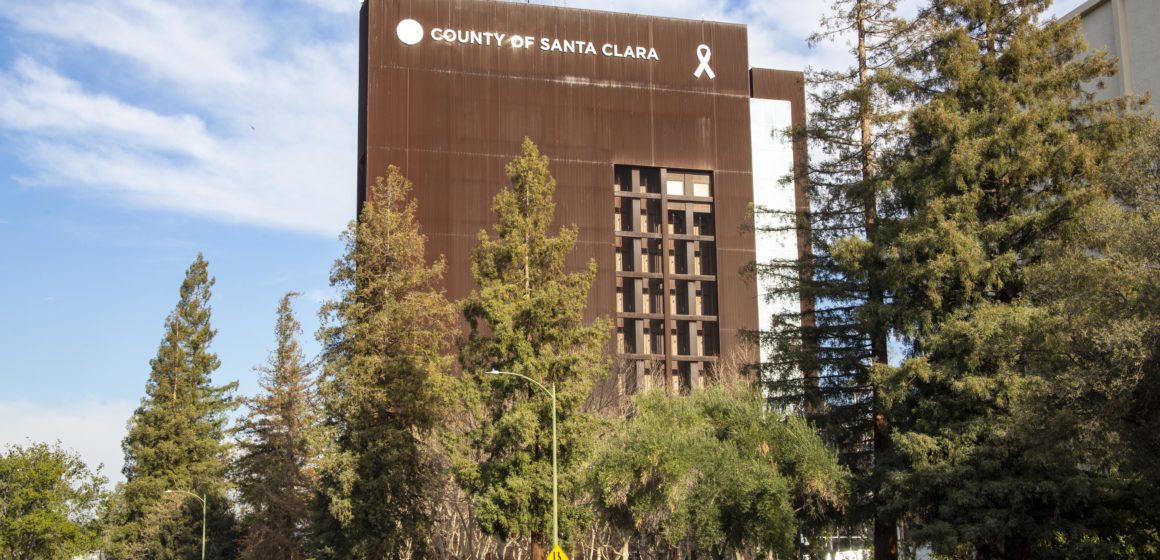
column 526, row 316
column 821, row 359
column 385, row 346
column 277, row 441
column 1005, row 156
column 175, row 441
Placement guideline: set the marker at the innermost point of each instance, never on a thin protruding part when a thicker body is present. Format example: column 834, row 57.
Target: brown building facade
column 647, row 123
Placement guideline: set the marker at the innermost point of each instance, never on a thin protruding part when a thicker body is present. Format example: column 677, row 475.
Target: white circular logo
column 409, row 31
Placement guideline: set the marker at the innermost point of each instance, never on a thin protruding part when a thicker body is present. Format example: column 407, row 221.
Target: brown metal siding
column 451, row 115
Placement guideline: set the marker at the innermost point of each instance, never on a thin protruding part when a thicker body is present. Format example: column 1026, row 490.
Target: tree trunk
column 885, row 526
column 538, row 552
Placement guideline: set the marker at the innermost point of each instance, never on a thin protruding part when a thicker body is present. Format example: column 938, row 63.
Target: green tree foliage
column 526, row 316
column 385, row 345
column 49, row 503
column 1006, row 157
column 821, row 358
column 1094, row 342
column 277, row 442
column 175, row 441
column 713, row 473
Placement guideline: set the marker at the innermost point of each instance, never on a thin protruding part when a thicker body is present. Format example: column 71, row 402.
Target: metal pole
column 555, row 487
column 203, row 508
column 203, row 528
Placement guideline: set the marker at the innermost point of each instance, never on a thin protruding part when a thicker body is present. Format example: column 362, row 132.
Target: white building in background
column 1128, row 30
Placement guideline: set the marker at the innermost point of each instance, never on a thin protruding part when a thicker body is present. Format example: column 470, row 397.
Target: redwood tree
column 176, row 441
column 277, row 442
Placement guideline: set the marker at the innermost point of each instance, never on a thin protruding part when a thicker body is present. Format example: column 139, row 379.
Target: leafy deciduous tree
column 715, row 473
column 49, row 503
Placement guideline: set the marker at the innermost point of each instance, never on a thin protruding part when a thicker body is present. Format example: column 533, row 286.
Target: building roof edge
column 1083, row 9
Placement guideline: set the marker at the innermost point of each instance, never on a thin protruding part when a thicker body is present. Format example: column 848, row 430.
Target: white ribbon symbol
column 704, row 54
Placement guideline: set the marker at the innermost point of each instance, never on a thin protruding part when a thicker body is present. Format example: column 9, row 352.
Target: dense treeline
column 382, row 448
column 979, row 375
column 975, row 201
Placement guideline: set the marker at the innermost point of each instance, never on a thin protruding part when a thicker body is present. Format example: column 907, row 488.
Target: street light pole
column 202, row 500
column 555, row 484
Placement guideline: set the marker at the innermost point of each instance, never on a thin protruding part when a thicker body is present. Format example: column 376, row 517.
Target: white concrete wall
column 1099, row 29
column 1128, row 30
column 1143, row 25
column 772, row 163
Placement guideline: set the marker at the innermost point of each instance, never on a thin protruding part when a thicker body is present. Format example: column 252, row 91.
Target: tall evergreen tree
column 526, row 316
column 385, row 344
column 1004, row 158
column 821, row 358
column 175, row 441
column 277, row 442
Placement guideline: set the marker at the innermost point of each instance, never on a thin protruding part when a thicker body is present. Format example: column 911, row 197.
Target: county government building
column 660, row 137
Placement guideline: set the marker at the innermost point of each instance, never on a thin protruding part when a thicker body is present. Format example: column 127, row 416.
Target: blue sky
column 136, row 133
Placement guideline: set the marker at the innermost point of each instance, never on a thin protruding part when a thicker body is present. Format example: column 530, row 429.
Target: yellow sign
column 557, row 554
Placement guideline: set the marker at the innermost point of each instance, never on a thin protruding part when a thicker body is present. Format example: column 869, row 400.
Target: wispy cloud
column 242, row 123
column 91, row 427
column 222, row 110
column 239, row 116
column 41, row 100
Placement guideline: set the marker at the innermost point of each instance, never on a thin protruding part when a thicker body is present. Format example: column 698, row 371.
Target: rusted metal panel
column 450, row 114
column 785, row 85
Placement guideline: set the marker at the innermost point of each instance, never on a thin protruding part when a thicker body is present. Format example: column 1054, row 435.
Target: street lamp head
column 493, row 371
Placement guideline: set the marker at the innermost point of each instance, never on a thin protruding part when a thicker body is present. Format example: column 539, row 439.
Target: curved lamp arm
column 186, row 492
column 555, row 484
column 537, row 383
column 203, row 508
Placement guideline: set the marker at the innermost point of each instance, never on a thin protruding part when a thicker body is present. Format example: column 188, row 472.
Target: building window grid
column 666, row 273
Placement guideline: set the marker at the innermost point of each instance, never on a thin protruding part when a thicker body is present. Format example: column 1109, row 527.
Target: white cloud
column 189, row 43
column 91, row 427
column 243, row 128
column 40, row 100
column 253, row 119
column 248, row 117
